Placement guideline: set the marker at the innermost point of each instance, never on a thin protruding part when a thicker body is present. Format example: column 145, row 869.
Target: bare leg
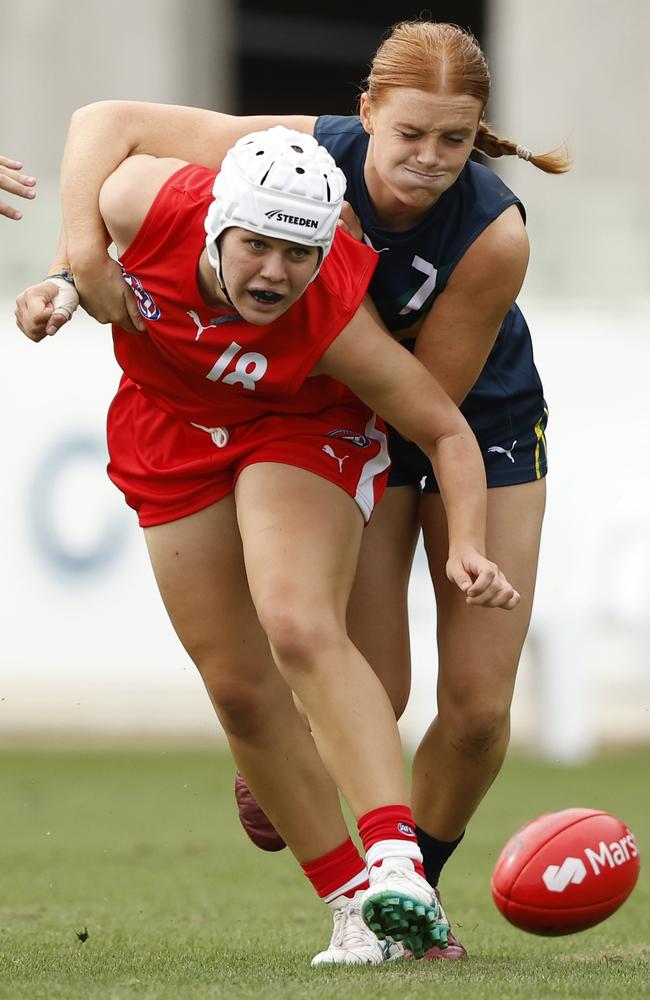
column 378, row 609
column 479, row 650
column 301, row 538
column 199, row 568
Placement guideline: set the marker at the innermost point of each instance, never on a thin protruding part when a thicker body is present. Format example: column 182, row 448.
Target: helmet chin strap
column 222, row 286
column 219, row 273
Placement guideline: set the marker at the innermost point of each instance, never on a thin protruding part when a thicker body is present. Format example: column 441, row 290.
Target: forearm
column 100, row 138
column 426, row 416
column 95, row 146
column 61, row 261
column 91, row 273
column 460, row 472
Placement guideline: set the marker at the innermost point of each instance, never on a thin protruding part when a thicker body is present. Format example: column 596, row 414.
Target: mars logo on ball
column 573, row 871
column 616, row 853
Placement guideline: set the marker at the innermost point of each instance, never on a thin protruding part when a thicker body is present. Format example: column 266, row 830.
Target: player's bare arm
column 128, row 194
column 104, row 134
column 392, row 382
column 195, row 134
column 459, row 332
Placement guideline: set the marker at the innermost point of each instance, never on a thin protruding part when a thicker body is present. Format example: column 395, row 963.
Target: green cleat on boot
column 401, row 905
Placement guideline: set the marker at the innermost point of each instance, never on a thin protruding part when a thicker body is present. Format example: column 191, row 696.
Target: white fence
column 87, row 647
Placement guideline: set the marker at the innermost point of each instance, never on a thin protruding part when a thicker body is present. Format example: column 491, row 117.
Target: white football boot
column 400, row 904
column 352, row 942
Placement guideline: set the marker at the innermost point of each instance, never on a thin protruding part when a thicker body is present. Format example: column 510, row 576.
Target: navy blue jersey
column 415, row 265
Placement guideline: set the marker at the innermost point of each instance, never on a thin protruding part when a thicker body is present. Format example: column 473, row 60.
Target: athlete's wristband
column 65, row 274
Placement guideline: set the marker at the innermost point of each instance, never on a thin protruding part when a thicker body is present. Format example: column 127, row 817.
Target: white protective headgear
column 277, row 183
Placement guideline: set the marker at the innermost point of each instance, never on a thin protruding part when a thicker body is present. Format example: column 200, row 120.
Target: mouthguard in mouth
column 266, row 297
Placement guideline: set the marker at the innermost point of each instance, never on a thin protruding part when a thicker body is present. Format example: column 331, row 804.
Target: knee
column 236, row 690
column 477, row 729
column 240, row 705
column 300, row 637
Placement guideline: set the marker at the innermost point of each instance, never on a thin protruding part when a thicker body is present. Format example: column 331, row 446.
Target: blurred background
column 87, row 652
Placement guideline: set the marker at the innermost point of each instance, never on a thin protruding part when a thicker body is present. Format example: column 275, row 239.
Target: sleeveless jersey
column 209, row 366
column 415, row 265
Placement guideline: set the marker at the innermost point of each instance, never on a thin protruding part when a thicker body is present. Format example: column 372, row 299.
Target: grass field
column 144, row 850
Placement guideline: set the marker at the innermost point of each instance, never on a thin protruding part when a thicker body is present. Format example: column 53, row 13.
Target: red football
column 565, row 871
column 254, row 820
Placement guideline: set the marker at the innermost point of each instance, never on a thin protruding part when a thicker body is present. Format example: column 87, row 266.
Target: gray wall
column 578, row 70
column 55, row 57
column 567, row 68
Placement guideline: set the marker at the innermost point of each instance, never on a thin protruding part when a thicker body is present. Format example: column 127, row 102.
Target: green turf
column 144, row 850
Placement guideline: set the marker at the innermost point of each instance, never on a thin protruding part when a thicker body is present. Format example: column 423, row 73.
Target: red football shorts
column 168, row 468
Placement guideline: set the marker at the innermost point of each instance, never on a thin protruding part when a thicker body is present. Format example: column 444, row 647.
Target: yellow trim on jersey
column 541, row 440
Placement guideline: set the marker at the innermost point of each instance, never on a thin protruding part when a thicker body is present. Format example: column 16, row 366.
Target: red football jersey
column 210, row 366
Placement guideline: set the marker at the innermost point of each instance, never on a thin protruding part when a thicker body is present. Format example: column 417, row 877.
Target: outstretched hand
column 481, row 581
column 14, row 182
column 42, row 309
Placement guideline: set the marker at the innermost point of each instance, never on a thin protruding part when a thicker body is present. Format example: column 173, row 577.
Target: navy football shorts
column 513, row 454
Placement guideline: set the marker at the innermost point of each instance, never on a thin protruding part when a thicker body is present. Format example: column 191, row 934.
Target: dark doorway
column 293, row 58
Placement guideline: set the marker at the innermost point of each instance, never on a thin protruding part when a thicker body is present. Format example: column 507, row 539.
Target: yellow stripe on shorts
column 541, row 440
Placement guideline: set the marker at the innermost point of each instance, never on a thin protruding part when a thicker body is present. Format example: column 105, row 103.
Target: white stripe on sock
column 352, row 883
column 393, row 849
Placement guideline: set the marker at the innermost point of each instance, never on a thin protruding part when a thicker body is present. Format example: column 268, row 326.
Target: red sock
column 389, row 832
column 340, row 872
